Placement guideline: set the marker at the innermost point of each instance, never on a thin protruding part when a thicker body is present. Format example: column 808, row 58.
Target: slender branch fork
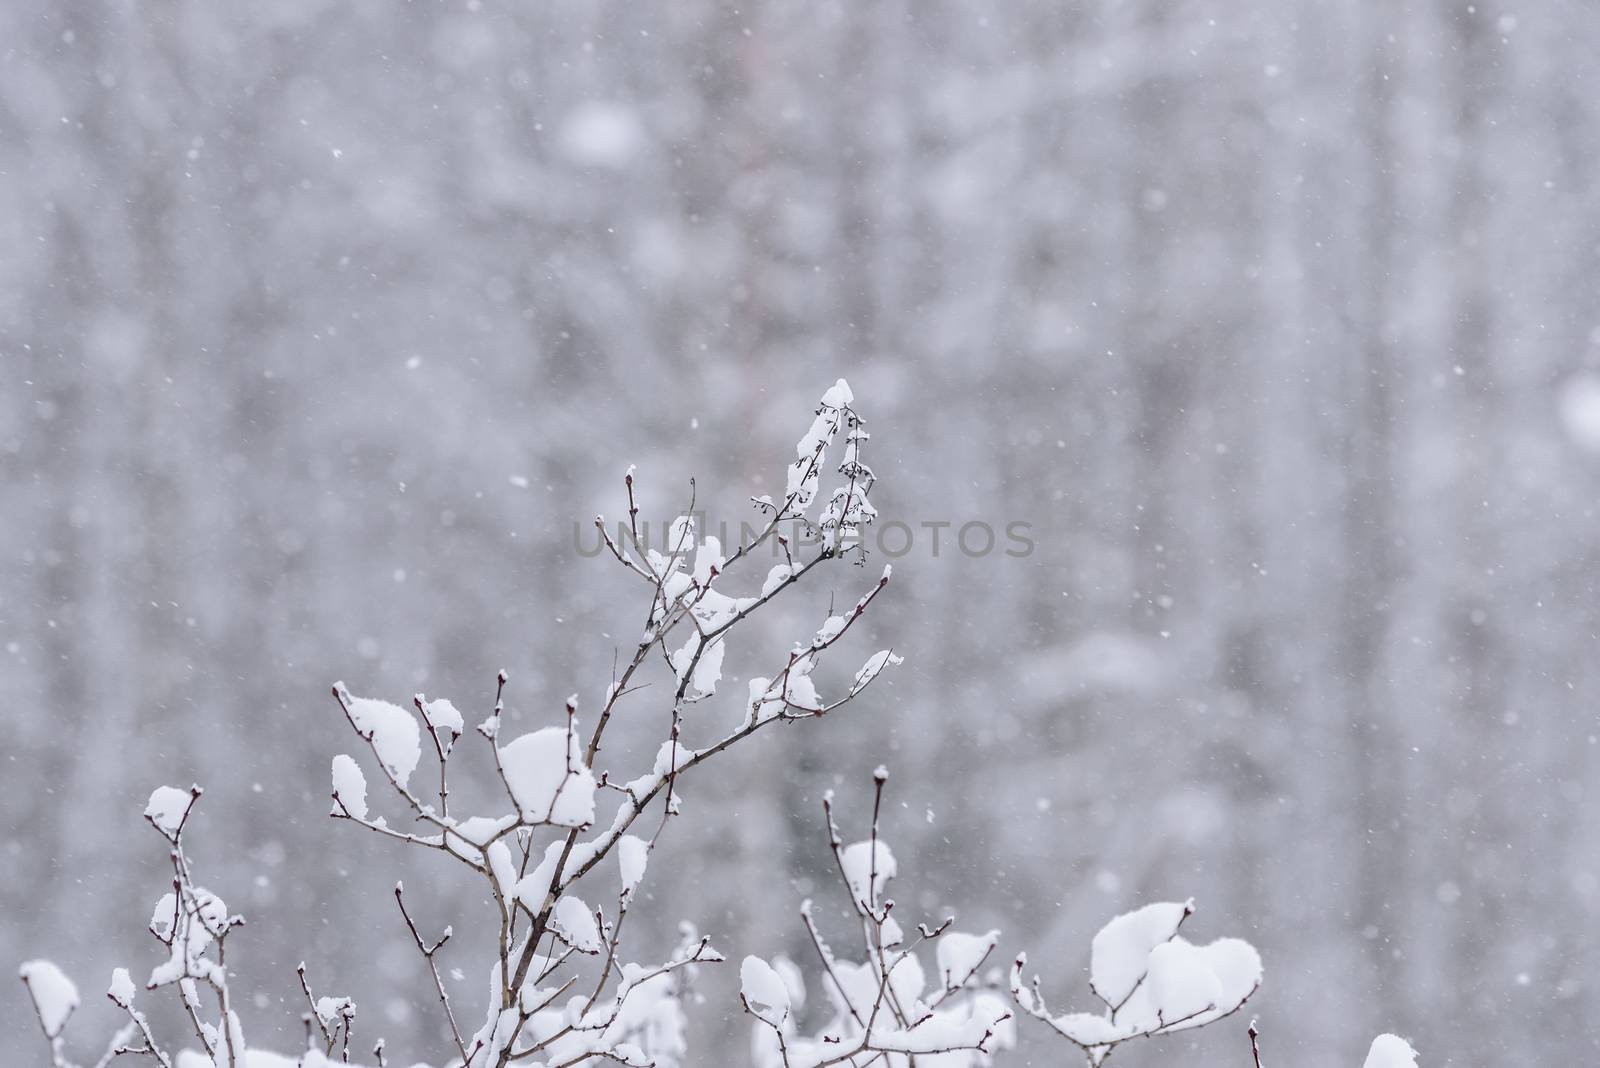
column 428, row 952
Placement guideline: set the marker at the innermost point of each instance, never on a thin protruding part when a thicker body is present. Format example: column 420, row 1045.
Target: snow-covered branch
column 1149, row 980
column 534, row 854
column 883, row 1007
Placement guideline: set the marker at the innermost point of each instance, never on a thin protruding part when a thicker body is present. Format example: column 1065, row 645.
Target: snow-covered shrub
column 564, row 850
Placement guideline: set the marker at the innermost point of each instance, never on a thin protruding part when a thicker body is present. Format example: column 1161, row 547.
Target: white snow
column 831, row 628
column 823, row 426
column 626, row 1053
column 393, row 732
column 800, row 690
column 533, row 887
column 1190, row 985
column 330, row 1009
column 793, row 980
column 714, row 610
column 838, row 395
column 857, row 987
column 707, row 670
column 867, row 863
column 54, row 996
column 121, row 989
column 761, row 705
column 806, row 471
column 669, row 758
column 573, row 923
column 1179, row 982
column 163, row 915
column 706, row 557
column 944, row 1031
column 680, row 539
column 871, row 669
column 961, row 955
column 1120, row 953
column 632, row 854
column 1087, row 1029
column 195, row 927
column 764, row 991
column 502, row 867
column 255, row 1058
column 480, row 830
column 167, row 807
column 775, row 578
column 548, row 779
column 350, row 786
column 1391, row 1051
column 444, row 719
column 906, row 978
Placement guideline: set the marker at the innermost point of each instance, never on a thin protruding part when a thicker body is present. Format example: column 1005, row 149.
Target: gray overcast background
column 1276, row 321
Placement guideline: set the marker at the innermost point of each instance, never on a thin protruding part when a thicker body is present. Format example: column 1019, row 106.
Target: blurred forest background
column 324, row 324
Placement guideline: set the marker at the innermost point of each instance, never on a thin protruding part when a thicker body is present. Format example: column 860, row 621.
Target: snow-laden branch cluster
column 886, row 1008
column 1149, row 981
column 566, row 845
column 191, row 924
column 564, row 851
